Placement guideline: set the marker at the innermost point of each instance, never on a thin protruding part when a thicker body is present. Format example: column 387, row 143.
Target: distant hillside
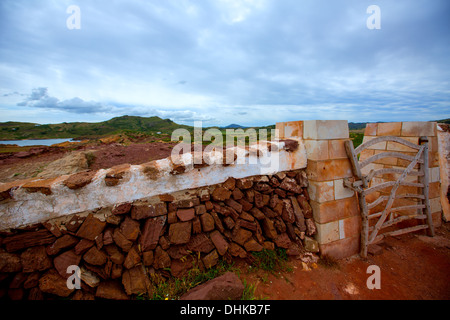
column 25, row 130
column 234, row 126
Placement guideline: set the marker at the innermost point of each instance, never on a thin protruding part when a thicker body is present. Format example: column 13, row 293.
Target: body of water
column 37, row 142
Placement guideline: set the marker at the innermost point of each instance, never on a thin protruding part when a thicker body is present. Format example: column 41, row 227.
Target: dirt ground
column 20, row 165
column 412, row 267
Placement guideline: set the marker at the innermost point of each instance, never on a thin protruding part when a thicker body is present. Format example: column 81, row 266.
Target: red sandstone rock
column 135, row 281
column 283, row 241
column 221, row 194
column 211, row 259
column 240, row 235
column 162, row 259
column 290, row 184
column 114, row 254
column 91, row 228
column 66, row 241
column 132, row 258
column 79, row 180
column 28, row 239
column 10, row 262
column 186, row 214
column 200, row 243
column 83, row 246
column 130, row 228
column 53, row 283
column 35, row 259
column 225, row 287
column 95, row 257
column 219, row 242
column 236, row 250
column 269, row 229
column 307, row 210
column 64, row 260
column 151, row 232
column 207, row 222
column 244, row 183
column 111, row 290
column 121, row 241
column 252, row 245
column 180, row 232
column 120, row 209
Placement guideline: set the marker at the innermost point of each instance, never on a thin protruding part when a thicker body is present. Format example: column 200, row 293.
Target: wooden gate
column 390, row 216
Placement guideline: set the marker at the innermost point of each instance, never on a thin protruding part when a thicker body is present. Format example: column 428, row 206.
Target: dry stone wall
column 119, row 248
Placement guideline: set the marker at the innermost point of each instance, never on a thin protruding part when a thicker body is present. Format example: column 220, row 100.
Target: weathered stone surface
column 288, row 214
column 219, row 242
column 310, row 244
column 200, row 243
column 180, row 232
column 64, row 260
column 257, row 213
column 95, row 257
column 283, row 241
column 142, row 211
column 135, row 281
column 225, row 287
column 151, row 232
column 74, row 223
column 10, row 262
column 252, row 245
column 244, row 183
column 236, row 250
column 307, row 210
column 91, row 228
column 290, row 184
column 89, row 277
column 298, row 213
column 79, row 180
column 186, row 214
column 211, row 259
column 112, row 290
column 162, row 259
column 132, row 258
column 200, row 209
column 147, row 258
column 130, row 228
column 66, row 241
column 221, row 194
column 120, row 209
column 28, row 239
column 180, row 268
column 121, row 241
column 240, row 235
column 83, row 246
column 54, row 283
column 35, row 259
column 207, row 222
column 235, row 205
column 311, row 228
column 269, row 228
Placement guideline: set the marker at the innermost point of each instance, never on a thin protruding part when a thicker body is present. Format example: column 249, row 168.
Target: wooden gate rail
column 362, row 186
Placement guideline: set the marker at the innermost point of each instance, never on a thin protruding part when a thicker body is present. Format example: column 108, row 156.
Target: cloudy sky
column 251, row 62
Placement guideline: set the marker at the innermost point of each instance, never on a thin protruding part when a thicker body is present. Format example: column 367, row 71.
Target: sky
column 249, row 62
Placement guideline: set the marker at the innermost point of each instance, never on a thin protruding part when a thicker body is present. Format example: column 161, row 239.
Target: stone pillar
column 335, row 208
column 444, row 164
column 411, row 131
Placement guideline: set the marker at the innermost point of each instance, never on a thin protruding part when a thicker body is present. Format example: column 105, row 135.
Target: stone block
column 327, row 232
column 349, row 227
column 435, row 205
column 434, row 174
column 341, row 249
column 321, row 191
column 329, row 169
column 336, row 149
column 316, row 149
column 290, row 129
column 334, row 210
column 341, row 192
column 371, row 129
column 325, row 129
column 418, row 129
column 389, row 129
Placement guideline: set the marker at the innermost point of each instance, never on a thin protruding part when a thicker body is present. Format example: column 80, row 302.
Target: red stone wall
column 118, row 249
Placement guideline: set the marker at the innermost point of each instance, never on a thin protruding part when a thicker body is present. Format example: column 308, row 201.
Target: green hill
column 25, row 130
